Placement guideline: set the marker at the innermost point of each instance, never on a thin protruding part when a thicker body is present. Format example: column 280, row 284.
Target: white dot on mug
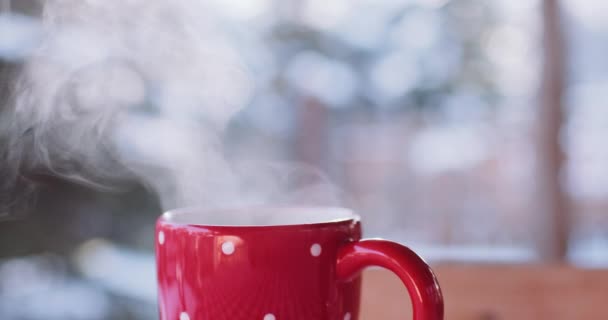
column 184, row 316
column 315, row 250
column 228, row 248
column 161, row 237
column 270, row 316
column 347, row 316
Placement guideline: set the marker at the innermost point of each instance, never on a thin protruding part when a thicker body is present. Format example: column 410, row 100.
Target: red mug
column 290, row 263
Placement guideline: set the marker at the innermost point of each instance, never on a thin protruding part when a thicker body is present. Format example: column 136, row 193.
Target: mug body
column 280, row 265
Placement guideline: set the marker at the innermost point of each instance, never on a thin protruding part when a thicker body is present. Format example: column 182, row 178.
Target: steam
column 137, row 89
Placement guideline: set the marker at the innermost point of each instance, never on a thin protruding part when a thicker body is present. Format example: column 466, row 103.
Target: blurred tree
column 554, row 228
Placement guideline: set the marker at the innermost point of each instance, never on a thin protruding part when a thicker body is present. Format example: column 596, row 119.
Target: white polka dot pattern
column 270, row 316
column 228, row 248
column 184, row 316
column 347, row 316
column 315, row 250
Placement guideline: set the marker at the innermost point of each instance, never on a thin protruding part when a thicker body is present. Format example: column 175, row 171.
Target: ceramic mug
column 277, row 263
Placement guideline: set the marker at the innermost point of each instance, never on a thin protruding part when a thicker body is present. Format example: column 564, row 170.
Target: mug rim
column 341, row 215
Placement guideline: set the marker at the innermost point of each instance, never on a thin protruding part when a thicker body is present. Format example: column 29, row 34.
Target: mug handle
column 416, row 275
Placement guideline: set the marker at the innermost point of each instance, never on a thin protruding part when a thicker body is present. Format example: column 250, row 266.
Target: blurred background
column 471, row 131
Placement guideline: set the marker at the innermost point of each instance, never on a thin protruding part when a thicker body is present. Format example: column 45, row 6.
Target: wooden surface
column 486, row 292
